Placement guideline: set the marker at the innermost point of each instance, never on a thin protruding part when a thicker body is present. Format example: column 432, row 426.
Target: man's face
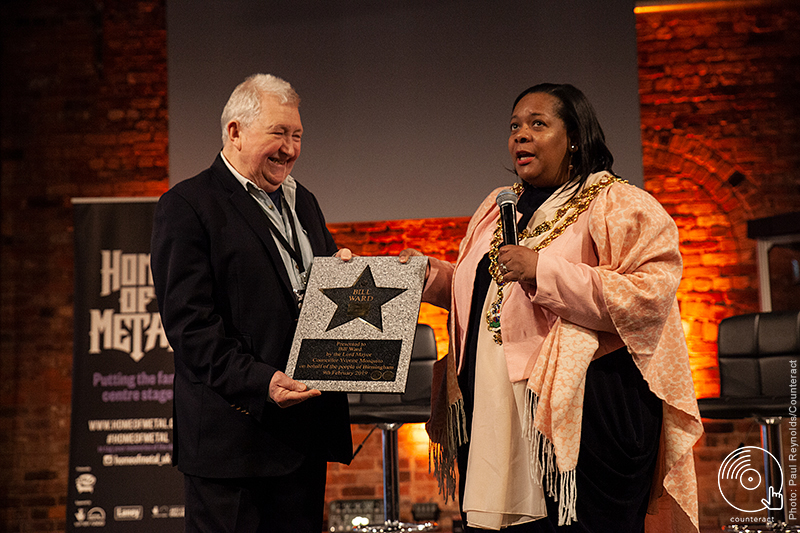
column 269, row 147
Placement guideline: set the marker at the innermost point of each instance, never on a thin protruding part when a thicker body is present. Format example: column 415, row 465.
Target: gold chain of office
column 577, row 205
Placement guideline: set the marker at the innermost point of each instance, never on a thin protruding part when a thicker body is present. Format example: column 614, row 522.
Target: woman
column 566, row 396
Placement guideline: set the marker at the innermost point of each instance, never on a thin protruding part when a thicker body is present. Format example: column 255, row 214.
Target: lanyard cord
column 295, row 252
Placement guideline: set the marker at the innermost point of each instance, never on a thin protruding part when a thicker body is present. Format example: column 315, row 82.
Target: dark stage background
column 405, row 102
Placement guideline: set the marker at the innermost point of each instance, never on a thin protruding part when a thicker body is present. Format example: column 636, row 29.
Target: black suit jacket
column 229, row 313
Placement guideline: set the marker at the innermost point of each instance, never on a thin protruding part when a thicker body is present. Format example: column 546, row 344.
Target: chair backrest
column 756, row 354
column 420, row 370
column 420, row 373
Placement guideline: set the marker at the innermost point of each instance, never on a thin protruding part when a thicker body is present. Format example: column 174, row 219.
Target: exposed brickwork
column 84, row 114
column 720, row 111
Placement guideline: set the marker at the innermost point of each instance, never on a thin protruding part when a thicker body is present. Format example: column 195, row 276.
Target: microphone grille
column 506, row 197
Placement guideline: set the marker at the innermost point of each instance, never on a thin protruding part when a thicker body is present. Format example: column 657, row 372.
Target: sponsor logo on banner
column 128, row 512
column 85, row 483
column 167, row 511
column 94, row 517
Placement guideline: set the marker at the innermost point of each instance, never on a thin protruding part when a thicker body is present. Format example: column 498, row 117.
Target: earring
column 573, row 148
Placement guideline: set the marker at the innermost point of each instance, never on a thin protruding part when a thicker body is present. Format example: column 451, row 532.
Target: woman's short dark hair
column 583, row 129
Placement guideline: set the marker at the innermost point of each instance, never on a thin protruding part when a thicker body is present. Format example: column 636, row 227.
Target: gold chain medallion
column 572, row 209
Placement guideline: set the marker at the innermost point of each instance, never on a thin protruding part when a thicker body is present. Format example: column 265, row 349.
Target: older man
column 230, row 251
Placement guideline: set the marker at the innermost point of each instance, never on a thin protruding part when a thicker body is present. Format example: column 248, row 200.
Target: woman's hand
column 518, row 263
column 409, row 252
column 345, row 254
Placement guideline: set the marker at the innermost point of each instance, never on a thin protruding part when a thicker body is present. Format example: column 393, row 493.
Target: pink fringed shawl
column 640, row 268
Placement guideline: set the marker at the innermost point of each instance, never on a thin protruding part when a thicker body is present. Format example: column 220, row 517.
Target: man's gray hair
column 244, row 104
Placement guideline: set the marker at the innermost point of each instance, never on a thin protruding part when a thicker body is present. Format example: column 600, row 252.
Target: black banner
column 121, row 475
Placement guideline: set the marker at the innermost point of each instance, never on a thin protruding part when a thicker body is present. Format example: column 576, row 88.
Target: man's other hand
column 285, row 391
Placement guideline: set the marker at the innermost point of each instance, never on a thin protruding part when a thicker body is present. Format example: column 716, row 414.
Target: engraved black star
column 361, row 300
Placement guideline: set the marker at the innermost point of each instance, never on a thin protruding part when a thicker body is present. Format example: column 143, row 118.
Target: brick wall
column 84, row 114
column 720, row 109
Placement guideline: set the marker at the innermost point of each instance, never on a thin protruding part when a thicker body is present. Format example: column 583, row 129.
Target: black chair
column 758, row 356
column 389, row 412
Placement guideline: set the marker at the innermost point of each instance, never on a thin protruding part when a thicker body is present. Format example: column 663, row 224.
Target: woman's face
column 538, row 141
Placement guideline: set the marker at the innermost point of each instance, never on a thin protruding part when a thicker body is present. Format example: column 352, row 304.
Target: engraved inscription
column 350, row 360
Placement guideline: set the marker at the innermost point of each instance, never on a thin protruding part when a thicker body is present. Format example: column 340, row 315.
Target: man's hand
column 285, row 391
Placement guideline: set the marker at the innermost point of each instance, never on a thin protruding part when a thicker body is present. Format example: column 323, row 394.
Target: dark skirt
column 620, row 435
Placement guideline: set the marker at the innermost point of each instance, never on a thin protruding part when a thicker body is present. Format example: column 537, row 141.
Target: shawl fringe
column 561, row 486
column 661, row 356
column 443, row 449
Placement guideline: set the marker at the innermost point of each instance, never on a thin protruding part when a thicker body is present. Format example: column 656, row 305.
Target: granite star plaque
column 357, row 324
column 361, row 300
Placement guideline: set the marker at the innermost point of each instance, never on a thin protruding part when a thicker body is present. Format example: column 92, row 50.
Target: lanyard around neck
column 294, row 251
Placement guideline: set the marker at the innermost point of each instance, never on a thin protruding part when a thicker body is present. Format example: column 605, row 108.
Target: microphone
column 507, row 202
